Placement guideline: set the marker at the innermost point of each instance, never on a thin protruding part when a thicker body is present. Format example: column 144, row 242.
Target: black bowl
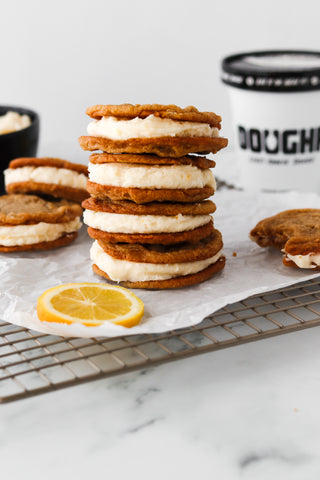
column 22, row 143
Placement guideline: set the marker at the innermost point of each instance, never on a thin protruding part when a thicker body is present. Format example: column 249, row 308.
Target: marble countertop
column 247, row 412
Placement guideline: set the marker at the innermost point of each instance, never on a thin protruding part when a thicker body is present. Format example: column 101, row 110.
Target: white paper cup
column 275, row 103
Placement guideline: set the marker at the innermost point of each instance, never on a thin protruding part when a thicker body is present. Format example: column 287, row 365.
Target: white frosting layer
column 149, row 127
column 40, row 232
column 153, row 177
column 122, row 270
column 124, row 223
column 13, row 121
column 305, row 261
column 57, row 176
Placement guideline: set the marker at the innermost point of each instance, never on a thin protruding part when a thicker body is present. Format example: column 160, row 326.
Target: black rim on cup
column 273, row 70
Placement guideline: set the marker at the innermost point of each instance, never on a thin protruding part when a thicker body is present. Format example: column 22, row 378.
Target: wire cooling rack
column 33, row 363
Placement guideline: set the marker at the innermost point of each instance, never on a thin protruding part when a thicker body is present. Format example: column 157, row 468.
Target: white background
column 60, row 57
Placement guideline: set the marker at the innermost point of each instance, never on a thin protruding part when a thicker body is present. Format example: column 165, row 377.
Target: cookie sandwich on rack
column 163, row 130
column 47, row 176
column 28, row 222
column 152, row 223
column 296, row 233
column 159, row 267
column 144, row 178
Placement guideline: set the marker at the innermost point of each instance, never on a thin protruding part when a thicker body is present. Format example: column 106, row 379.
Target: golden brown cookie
column 197, row 208
column 173, row 112
column 191, row 236
column 161, row 146
column 28, row 222
column 194, row 160
column 48, row 162
column 183, row 252
column 18, row 209
column 177, row 282
column 42, row 176
column 146, row 195
column 295, row 232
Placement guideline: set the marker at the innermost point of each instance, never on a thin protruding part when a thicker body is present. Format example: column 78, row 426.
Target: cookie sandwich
column 296, row 233
column 150, row 223
column 47, row 176
column 157, row 266
column 28, row 222
column 148, row 178
column 163, row 130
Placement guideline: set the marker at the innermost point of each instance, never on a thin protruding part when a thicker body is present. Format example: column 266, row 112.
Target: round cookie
column 194, row 160
column 191, row 236
column 147, row 195
column 177, row 282
column 173, row 112
column 28, row 222
column 184, row 252
column 197, row 208
column 296, row 232
column 47, row 176
column 161, row 146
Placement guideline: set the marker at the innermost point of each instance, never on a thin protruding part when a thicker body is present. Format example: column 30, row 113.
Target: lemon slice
column 91, row 304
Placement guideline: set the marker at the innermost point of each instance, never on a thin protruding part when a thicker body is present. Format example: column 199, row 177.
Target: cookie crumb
column 234, row 254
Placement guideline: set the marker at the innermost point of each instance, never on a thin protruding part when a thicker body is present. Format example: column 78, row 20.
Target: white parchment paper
column 254, row 270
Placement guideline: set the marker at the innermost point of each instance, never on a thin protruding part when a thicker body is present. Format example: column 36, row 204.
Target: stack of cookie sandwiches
column 148, row 212
column 43, row 207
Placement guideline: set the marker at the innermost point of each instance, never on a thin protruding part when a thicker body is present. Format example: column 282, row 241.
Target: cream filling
column 149, row 127
column 123, row 270
column 305, row 261
column 13, row 121
column 57, row 176
column 153, row 177
column 124, row 223
column 16, row 235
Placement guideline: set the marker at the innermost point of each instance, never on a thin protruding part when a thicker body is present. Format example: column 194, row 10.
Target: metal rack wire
column 33, row 363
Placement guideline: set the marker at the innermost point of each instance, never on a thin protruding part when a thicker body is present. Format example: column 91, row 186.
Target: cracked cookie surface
column 173, row 112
